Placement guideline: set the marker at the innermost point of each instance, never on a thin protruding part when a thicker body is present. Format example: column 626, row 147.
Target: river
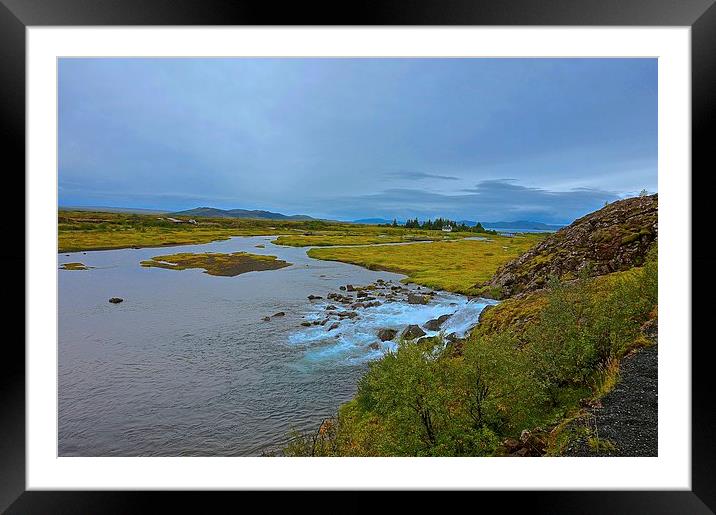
column 186, row 366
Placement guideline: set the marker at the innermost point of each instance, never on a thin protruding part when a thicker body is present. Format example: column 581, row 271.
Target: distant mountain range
column 105, row 209
column 212, row 212
column 517, row 224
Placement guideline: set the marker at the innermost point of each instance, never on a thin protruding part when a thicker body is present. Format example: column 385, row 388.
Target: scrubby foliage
column 435, row 399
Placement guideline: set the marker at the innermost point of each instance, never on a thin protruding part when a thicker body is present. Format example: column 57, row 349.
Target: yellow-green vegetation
column 84, row 230
column 367, row 235
column 74, row 266
column 452, row 265
column 434, row 399
column 227, row 265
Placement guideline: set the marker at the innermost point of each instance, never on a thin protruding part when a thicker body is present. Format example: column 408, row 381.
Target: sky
column 467, row 139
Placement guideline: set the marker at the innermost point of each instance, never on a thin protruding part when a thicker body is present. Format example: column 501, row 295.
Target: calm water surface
column 186, row 366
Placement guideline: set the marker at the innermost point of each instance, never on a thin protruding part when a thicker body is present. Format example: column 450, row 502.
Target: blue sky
column 479, row 139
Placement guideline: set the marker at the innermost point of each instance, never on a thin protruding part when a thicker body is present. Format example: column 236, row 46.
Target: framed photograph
column 426, row 247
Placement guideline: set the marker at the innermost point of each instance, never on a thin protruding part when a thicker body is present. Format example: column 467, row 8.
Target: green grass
column 227, row 265
column 452, row 265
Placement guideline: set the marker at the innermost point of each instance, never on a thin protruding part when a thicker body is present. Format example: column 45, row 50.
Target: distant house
column 447, row 228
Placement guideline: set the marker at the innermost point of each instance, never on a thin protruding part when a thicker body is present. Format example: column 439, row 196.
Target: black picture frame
column 700, row 15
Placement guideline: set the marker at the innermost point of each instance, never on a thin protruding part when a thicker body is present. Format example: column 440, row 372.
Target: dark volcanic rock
column 333, row 326
column 116, row 300
column 435, row 323
column 615, row 238
column 417, row 299
column 387, row 334
column 314, row 297
column 412, row 331
column 279, row 314
column 374, row 346
column 306, row 324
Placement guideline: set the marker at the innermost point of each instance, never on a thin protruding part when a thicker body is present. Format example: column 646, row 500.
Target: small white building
column 447, row 228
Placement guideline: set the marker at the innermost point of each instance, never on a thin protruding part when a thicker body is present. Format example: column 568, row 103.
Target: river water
column 186, row 366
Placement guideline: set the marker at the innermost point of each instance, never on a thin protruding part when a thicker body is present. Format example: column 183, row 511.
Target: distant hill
column 372, row 221
column 105, row 209
column 212, row 212
column 522, row 224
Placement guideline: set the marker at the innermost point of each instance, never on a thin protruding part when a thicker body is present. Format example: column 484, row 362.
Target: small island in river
column 214, row 263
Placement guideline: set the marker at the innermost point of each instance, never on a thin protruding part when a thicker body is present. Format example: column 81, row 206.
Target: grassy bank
column 85, row 230
column 453, row 265
column 525, row 368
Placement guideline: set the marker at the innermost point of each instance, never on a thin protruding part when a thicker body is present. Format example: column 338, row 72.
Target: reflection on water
column 186, row 366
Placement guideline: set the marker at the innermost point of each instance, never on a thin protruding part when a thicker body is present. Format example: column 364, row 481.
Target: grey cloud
column 489, row 200
column 421, row 175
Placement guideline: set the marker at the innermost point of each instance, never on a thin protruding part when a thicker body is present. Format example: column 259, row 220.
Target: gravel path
column 628, row 417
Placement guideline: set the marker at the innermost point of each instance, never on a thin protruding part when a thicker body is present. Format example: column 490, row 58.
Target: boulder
column 306, row 324
column 314, row 297
column 349, row 287
column 361, row 294
column 266, row 319
column 387, row 334
column 334, row 325
column 116, row 300
column 331, row 306
column 435, row 323
column 347, row 314
column 412, row 331
column 417, row 299
column 374, row 346
column 279, row 314
column 343, row 288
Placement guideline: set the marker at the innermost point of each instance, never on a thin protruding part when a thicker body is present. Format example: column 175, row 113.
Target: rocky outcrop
column 615, row 238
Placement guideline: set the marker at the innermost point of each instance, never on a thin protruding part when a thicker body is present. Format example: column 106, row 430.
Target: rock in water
column 116, row 300
column 412, row 331
column 374, row 346
column 333, row 326
column 417, row 299
column 266, row 319
column 279, row 314
column 435, row 323
column 387, row 334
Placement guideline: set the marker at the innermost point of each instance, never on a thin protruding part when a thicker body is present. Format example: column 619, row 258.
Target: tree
column 643, row 193
column 395, row 222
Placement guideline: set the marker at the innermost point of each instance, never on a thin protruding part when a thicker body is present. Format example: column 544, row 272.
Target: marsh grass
column 227, row 265
column 451, row 265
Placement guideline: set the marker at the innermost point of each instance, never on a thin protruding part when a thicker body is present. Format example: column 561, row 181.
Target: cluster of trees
column 439, row 223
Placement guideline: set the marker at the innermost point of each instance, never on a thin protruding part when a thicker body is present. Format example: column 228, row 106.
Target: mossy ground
column 74, row 266
column 451, row 265
column 227, row 265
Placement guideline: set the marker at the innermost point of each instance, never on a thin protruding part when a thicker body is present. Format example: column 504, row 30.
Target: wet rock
column 316, row 322
column 324, row 322
column 357, row 305
column 314, row 297
column 417, row 299
column 373, row 304
column 347, row 314
column 279, row 314
column 334, row 325
column 374, row 346
column 349, row 287
column 361, row 294
column 435, row 323
column 412, row 331
column 116, row 300
column 266, row 319
column 306, row 324
column 343, row 288
column 387, row 334
column 331, row 306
